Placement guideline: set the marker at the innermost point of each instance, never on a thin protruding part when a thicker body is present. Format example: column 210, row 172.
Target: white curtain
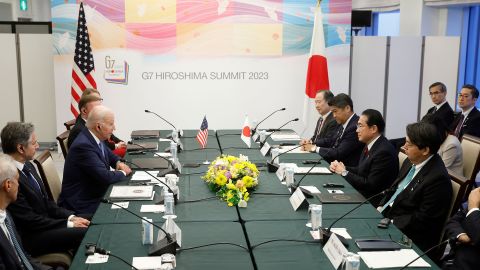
column 436, row 3
column 376, row 5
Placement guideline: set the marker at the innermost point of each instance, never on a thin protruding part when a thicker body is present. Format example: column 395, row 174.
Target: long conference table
column 207, row 220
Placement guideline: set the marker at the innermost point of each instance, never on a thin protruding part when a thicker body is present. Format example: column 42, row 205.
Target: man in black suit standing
column 346, row 147
column 12, row 254
column 418, row 202
column 441, row 110
column 465, row 227
column 378, row 166
column 468, row 121
column 44, row 226
column 326, row 127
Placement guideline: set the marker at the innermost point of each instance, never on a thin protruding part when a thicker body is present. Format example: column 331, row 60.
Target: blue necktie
column 401, row 187
column 16, row 244
column 31, row 180
column 102, row 149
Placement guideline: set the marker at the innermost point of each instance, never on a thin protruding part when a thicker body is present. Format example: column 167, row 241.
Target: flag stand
column 206, row 162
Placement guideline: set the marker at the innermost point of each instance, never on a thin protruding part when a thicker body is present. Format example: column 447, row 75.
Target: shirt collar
column 348, row 121
column 440, row 105
column 3, row 215
column 19, row 165
column 420, row 166
column 465, row 113
column 97, row 140
column 326, row 115
column 369, row 146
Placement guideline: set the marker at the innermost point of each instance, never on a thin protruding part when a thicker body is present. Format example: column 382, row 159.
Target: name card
column 334, row 249
column 298, row 200
column 265, row 149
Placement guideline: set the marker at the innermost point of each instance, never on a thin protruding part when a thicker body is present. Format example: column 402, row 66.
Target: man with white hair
column 12, row 254
column 87, row 173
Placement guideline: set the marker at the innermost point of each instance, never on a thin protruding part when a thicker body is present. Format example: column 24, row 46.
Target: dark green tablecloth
column 124, row 240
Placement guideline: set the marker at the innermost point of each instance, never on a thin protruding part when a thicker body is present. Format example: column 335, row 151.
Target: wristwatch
column 344, row 173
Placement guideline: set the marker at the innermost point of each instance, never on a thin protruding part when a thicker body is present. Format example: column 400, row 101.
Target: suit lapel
column 5, row 242
column 417, row 180
column 96, row 147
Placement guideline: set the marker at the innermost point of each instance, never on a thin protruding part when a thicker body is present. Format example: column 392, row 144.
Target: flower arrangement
column 232, row 178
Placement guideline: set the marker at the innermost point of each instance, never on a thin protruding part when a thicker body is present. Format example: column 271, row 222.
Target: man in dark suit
column 12, row 254
column 325, row 130
column 468, row 121
column 378, row 166
column 441, row 109
column 418, row 202
column 87, row 173
column 465, row 227
column 346, row 147
column 91, row 98
column 44, row 226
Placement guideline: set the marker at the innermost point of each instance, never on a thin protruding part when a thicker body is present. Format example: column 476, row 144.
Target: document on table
column 391, row 259
column 285, row 137
column 299, row 150
column 96, row 258
column 147, row 263
column 143, row 176
column 132, row 192
column 152, row 208
column 316, row 170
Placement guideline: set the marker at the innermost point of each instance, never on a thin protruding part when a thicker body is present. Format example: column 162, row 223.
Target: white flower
column 242, row 204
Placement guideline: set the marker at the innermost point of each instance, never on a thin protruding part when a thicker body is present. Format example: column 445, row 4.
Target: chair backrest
column 69, row 124
column 459, row 186
column 401, row 158
column 48, row 172
column 62, row 140
column 471, row 156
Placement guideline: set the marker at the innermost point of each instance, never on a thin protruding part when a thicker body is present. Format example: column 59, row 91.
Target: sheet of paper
column 147, row 263
column 311, row 189
column 143, row 176
column 318, row 170
column 391, row 259
column 299, row 150
column 163, row 154
column 96, row 258
column 123, row 204
column 285, row 137
column 336, row 191
column 340, row 231
column 164, row 140
column 152, row 208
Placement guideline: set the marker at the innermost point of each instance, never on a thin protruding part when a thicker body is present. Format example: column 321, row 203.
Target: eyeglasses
column 435, row 93
column 408, row 144
column 464, row 95
column 361, row 126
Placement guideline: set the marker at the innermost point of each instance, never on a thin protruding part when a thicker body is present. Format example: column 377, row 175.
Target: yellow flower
column 246, row 196
column 221, row 180
column 231, row 186
column 230, row 204
column 229, row 195
column 248, row 181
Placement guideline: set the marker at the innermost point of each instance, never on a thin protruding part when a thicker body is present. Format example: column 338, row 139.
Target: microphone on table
column 269, row 135
column 268, row 116
column 326, row 233
column 451, row 241
column 92, row 249
column 156, row 178
column 271, row 166
column 294, row 186
column 173, row 170
column 165, row 120
column 166, row 245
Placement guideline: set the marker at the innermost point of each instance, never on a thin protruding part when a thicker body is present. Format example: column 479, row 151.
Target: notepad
column 131, row 193
column 391, row 259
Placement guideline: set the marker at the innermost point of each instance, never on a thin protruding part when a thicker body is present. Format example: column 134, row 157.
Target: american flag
column 82, row 63
column 202, row 135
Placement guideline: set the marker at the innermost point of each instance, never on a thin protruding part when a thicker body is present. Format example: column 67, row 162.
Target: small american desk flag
column 202, row 136
column 83, row 65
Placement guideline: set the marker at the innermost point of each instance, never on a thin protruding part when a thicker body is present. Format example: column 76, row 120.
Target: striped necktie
column 16, row 244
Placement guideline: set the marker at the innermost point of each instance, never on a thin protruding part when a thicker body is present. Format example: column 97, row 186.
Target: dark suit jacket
column 326, row 136
column 421, row 209
column 445, row 113
column 87, row 174
column 77, row 128
column 376, row 171
column 471, row 124
column 348, row 148
column 9, row 259
column 33, row 213
column 466, row 256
